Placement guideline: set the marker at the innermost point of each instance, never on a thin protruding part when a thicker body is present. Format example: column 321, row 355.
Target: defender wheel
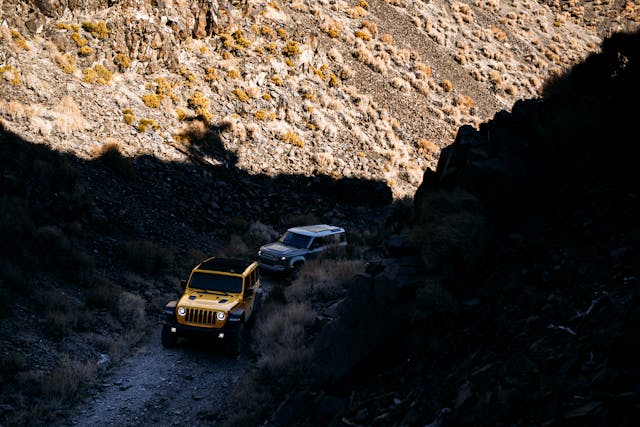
column 169, row 339
column 295, row 270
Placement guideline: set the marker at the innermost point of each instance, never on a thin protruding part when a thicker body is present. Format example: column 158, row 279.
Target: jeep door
column 251, row 286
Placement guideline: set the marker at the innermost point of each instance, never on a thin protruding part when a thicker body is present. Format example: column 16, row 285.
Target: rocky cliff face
column 524, row 306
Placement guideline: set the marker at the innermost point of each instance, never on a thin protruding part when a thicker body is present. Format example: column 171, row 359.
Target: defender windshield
column 296, row 240
column 216, row 282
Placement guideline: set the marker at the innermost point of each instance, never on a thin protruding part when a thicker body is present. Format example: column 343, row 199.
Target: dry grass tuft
column 427, row 147
column 323, row 280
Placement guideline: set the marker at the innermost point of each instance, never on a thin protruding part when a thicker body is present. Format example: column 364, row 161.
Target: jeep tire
column 235, row 341
column 169, row 339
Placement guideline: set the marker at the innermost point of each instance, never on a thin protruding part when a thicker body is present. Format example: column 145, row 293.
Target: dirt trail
column 155, row 386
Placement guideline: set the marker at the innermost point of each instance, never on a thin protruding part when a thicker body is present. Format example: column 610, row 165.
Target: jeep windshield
column 296, row 240
column 216, row 282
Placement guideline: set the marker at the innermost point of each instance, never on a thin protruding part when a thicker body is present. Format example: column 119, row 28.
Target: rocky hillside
column 347, row 89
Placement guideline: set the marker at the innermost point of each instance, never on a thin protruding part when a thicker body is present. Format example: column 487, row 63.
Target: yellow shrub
column 291, row 49
column 151, row 100
column 362, row 35
column 241, row 94
column 85, row 51
column 128, row 115
column 78, row 39
column 266, row 96
column 293, row 138
column 333, row 32
column 238, row 36
column 210, row 74
column 181, row 114
column 67, row 63
column 122, row 61
column 290, row 62
column 179, row 137
column 282, row 33
column 97, row 29
column 188, row 75
column 64, row 26
column 276, row 80
column 446, row 85
column 198, row 100
column 104, row 76
column 233, row 73
column 19, row 40
column 13, row 76
column 267, row 31
column 271, row 47
column 260, row 115
column 334, row 81
column 144, row 124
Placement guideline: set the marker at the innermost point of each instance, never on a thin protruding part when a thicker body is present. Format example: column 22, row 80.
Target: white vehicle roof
column 317, row 230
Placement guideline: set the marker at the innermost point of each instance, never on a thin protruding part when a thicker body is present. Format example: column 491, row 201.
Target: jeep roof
column 318, row 230
column 225, row 265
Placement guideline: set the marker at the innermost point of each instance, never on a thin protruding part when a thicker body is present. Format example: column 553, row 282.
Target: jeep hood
column 194, row 298
column 280, row 249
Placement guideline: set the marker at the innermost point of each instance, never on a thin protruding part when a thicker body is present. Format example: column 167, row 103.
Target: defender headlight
column 259, row 253
column 182, row 311
column 220, row 315
column 283, row 258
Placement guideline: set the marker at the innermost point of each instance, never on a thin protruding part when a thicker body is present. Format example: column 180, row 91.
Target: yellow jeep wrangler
column 219, row 298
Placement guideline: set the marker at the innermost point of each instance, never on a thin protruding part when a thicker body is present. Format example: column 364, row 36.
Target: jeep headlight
column 182, row 311
column 221, row 315
column 259, row 253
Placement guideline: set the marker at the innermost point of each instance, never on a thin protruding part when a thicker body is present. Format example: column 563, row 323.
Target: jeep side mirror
column 248, row 292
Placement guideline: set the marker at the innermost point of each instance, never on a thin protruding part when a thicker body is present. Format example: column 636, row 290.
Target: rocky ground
column 156, row 386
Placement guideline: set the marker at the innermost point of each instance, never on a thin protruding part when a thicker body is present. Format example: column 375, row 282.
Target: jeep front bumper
column 201, row 332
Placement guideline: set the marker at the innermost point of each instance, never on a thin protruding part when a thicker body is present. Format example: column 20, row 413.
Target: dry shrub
column 148, row 257
column 235, row 248
column 102, row 294
column 279, row 341
column 464, row 103
column 130, row 310
column 111, row 157
column 427, row 147
column 259, row 234
column 68, row 379
column 323, row 280
column 69, row 117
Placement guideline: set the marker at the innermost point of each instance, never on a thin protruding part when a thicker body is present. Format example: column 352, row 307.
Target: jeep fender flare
column 236, row 315
column 295, row 260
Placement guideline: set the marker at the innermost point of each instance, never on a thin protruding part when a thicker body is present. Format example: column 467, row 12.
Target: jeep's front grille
column 196, row 316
